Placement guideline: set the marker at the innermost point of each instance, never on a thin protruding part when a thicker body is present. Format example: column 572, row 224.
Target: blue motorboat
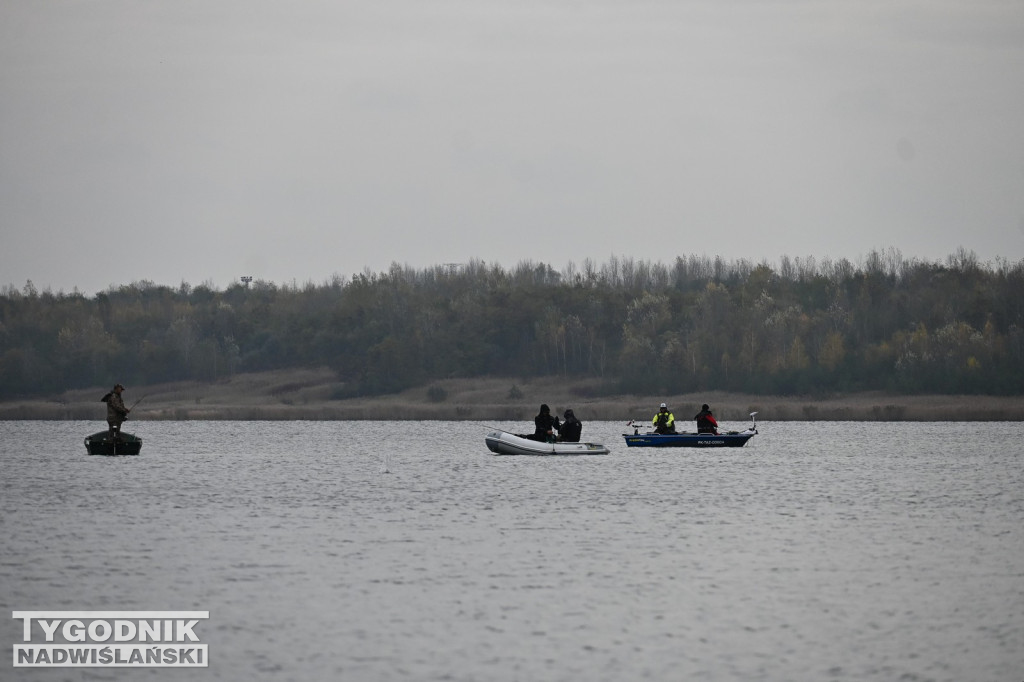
column 727, row 439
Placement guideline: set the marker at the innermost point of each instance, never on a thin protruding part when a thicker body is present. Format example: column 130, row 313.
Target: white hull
column 502, row 443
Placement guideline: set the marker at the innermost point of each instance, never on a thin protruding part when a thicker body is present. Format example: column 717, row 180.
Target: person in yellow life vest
column 664, row 421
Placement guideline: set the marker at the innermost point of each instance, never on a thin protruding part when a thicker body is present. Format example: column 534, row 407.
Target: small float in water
column 101, row 443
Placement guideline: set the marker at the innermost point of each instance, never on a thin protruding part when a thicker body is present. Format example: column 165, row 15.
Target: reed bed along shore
column 313, row 395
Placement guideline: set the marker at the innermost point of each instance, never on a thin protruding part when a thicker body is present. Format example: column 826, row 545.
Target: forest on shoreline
column 801, row 327
column 306, row 395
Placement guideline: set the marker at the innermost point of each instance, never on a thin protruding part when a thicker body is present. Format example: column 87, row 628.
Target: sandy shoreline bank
column 307, row 395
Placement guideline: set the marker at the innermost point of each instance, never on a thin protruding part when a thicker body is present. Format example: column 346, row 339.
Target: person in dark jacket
column 706, row 422
column 116, row 411
column 571, row 428
column 544, row 426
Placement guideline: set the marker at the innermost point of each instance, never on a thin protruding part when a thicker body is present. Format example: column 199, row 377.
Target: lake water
column 357, row 551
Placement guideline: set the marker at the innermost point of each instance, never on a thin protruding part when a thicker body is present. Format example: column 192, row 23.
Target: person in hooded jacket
column 706, row 422
column 116, row 411
column 571, row 428
column 545, row 426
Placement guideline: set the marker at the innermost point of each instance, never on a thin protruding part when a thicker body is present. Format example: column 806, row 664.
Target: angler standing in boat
column 706, row 422
column 116, row 411
column 664, row 421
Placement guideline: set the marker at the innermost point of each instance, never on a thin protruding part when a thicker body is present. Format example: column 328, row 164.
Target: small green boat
column 102, row 444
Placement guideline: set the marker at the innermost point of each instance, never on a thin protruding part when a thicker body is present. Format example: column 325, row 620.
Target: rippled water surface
column 357, row 551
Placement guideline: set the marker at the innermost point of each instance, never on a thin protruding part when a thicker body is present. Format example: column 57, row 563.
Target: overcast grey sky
column 202, row 140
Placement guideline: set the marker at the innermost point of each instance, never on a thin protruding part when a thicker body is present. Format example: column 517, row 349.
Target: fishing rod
column 126, row 416
column 490, row 426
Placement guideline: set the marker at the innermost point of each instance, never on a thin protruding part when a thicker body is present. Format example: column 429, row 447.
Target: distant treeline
column 802, row 326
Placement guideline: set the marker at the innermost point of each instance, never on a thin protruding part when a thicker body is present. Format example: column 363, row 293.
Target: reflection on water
column 350, row 551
